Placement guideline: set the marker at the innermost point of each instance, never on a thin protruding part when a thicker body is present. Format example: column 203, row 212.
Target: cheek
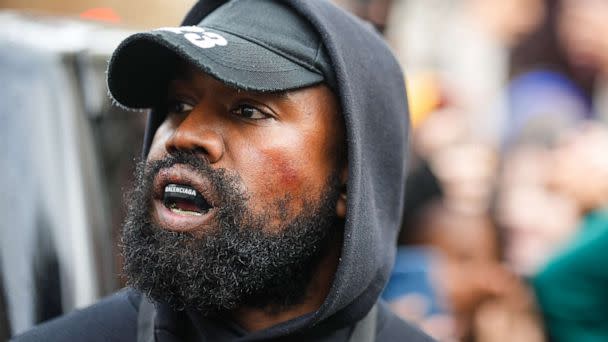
column 299, row 169
column 282, row 185
column 281, row 173
column 278, row 173
column 287, row 173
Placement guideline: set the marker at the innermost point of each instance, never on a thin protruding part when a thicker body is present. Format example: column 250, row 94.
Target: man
column 270, row 196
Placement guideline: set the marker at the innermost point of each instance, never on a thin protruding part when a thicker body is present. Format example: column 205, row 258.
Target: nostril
column 197, row 150
column 198, row 140
column 171, row 148
column 185, row 141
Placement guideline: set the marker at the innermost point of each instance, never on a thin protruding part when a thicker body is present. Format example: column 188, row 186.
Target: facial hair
column 243, row 261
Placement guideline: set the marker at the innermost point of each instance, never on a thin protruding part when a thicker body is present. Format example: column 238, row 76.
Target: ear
column 341, row 204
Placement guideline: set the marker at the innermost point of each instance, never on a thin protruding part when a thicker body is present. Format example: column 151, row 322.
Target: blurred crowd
column 506, row 219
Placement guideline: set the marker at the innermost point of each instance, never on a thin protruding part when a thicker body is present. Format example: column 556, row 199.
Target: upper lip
column 184, row 175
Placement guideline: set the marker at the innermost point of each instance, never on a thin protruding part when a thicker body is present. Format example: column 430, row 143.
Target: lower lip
column 181, row 223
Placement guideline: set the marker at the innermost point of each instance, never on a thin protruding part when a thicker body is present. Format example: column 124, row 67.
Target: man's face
column 281, row 144
column 264, row 173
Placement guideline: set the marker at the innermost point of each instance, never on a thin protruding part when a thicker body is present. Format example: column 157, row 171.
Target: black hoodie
column 372, row 95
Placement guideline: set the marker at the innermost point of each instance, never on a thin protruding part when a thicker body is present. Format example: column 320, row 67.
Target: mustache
column 226, row 186
column 222, row 182
column 198, row 164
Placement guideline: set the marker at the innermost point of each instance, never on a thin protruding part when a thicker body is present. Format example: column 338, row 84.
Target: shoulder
column 584, row 256
column 392, row 328
column 114, row 318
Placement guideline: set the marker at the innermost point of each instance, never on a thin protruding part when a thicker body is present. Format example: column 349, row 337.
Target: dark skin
column 284, row 146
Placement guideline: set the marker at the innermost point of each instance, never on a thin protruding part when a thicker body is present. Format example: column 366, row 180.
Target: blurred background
column 505, row 231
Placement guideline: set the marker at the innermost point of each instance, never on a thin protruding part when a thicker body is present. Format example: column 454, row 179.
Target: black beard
column 243, row 263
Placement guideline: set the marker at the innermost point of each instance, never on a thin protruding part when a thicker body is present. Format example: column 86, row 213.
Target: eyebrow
column 282, row 95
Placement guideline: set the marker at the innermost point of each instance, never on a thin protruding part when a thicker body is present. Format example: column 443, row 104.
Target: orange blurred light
column 104, row 14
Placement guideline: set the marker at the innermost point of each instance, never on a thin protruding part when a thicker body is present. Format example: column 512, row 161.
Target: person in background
column 488, row 302
column 532, row 237
column 563, row 51
column 474, row 297
column 450, row 275
column 583, row 48
column 463, row 46
column 571, row 287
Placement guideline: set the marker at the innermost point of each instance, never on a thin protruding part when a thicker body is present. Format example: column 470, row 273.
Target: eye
column 178, row 107
column 250, row 112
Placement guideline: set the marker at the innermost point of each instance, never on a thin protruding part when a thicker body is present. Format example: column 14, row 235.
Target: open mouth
column 185, row 200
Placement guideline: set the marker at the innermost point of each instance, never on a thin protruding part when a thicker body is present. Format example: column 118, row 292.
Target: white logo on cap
column 198, row 36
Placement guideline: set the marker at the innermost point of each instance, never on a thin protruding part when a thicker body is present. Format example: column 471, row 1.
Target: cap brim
column 142, row 65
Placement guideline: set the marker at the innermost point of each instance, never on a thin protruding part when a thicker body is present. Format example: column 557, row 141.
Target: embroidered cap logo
column 198, row 36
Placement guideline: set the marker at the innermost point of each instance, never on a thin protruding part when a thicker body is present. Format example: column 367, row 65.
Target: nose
column 195, row 135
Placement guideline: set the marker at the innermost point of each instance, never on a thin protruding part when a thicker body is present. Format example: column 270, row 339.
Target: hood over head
column 369, row 84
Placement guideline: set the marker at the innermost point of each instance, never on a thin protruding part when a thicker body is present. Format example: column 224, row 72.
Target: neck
column 255, row 319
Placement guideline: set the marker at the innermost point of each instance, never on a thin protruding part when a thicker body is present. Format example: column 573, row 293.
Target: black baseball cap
column 258, row 45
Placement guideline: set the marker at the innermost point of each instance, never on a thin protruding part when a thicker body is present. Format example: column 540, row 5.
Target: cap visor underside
column 142, row 65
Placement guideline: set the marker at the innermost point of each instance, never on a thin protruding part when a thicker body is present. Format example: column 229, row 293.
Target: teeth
column 185, row 212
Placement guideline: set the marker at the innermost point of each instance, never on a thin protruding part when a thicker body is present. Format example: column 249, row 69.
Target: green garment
column 572, row 289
